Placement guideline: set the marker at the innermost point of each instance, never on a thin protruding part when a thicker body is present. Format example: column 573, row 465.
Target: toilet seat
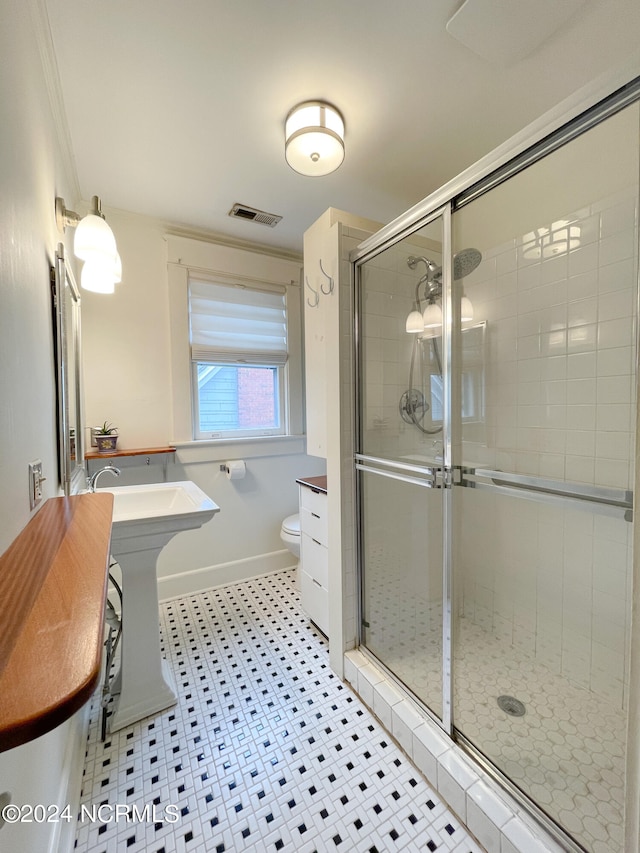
column 291, row 525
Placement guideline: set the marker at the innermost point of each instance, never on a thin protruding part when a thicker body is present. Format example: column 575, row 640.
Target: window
column 471, row 376
column 238, row 337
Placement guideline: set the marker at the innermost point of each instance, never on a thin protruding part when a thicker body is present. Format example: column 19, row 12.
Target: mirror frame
column 68, row 356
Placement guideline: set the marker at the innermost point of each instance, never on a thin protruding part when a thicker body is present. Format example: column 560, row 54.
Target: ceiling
column 176, row 108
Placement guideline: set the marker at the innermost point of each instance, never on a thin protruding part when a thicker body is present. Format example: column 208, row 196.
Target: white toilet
column 290, row 535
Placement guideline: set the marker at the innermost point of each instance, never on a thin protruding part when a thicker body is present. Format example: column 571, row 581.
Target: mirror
column 66, row 305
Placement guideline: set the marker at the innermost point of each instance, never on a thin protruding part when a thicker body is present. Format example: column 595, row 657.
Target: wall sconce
column 466, row 309
column 415, row 322
column 431, row 318
column 94, row 244
column 314, row 138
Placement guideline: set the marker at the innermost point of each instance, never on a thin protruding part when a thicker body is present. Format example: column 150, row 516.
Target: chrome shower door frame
column 433, row 477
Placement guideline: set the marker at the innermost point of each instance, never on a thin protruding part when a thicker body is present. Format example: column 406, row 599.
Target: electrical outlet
column 35, row 483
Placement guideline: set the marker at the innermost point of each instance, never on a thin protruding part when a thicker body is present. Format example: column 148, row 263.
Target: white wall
column 125, row 339
column 31, row 174
column 33, row 171
column 137, row 376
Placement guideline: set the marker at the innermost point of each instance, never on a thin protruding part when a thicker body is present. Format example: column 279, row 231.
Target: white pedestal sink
column 145, row 518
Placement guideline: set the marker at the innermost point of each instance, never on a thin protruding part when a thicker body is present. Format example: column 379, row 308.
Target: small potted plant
column 106, row 438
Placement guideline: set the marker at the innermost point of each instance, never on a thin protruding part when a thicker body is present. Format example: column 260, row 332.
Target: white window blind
column 235, row 324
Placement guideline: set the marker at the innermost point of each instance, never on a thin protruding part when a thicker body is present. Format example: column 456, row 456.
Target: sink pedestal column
column 145, row 519
column 145, row 683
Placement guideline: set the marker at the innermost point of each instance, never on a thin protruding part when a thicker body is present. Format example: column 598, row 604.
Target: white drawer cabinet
column 313, row 499
column 315, row 601
column 314, row 560
column 314, row 563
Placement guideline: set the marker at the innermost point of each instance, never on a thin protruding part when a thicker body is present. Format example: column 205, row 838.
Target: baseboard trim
column 199, row 580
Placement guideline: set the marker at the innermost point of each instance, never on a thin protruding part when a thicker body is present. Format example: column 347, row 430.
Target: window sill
column 220, row 449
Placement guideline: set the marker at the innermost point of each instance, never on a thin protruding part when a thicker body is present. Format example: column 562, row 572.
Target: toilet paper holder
column 235, row 470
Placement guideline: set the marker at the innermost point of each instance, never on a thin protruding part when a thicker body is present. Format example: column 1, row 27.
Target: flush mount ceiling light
column 314, row 138
column 94, row 244
column 561, row 238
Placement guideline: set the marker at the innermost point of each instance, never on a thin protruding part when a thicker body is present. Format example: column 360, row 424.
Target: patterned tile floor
column 566, row 752
column 266, row 750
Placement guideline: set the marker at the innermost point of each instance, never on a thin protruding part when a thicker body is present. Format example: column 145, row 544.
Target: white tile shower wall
column 560, row 403
column 560, row 398
column 390, row 287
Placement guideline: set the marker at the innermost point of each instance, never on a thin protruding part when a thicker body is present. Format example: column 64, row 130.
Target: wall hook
column 326, row 292
column 315, row 293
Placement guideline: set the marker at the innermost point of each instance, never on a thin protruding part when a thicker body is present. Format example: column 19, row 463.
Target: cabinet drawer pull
column 316, row 583
column 316, row 541
column 315, row 515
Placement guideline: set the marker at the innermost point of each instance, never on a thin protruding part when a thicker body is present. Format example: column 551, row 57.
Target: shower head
column 465, row 262
column 412, row 262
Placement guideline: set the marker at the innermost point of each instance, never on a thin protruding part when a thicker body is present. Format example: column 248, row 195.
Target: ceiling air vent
column 251, row 214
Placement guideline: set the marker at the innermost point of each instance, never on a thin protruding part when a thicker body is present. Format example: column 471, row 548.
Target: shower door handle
column 429, row 482
column 598, row 499
column 427, row 476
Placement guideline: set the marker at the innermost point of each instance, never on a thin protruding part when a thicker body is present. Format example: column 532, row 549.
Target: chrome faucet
column 92, row 481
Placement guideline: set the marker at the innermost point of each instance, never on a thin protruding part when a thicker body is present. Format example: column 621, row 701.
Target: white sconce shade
column 97, row 277
column 466, row 309
column 95, row 244
column 415, row 323
column 432, row 316
column 314, row 138
column 117, row 270
column 93, row 237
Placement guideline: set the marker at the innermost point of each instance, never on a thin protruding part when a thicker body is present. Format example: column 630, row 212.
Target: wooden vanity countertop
column 318, row 484
column 53, row 584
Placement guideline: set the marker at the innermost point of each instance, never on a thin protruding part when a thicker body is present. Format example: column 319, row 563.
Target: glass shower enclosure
column 401, row 441
column 495, row 457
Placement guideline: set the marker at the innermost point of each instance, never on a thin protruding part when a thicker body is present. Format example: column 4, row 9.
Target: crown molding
column 231, row 242
column 44, row 42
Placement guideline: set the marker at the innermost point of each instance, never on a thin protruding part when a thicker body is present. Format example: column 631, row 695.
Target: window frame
column 236, row 356
column 472, row 376
column 226, row 264
column 255, row 432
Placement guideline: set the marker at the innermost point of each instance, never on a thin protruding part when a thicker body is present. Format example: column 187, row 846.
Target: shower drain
column 512, row 706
